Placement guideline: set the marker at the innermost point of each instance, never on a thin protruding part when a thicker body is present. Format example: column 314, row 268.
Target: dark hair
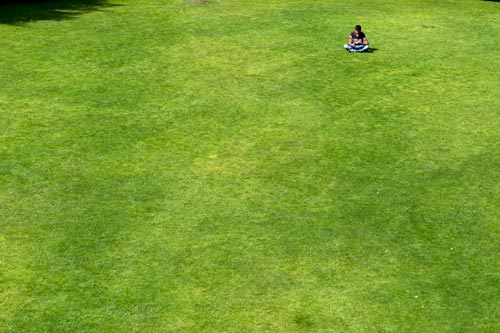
column 358, row 27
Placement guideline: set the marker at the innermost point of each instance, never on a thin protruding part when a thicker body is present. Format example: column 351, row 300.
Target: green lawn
column 227, row 166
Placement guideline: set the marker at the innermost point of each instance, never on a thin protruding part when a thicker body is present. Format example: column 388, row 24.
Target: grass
column 226, row 166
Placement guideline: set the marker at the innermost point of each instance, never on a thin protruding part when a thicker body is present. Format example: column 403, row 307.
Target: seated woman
column 357, row 41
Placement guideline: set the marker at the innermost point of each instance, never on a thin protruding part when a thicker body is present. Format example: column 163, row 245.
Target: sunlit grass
column 226, row 166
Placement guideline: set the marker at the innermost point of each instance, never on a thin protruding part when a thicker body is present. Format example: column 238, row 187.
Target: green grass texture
column 226, row 166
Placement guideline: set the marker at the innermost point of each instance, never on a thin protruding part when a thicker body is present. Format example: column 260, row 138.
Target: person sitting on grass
column 357, row 41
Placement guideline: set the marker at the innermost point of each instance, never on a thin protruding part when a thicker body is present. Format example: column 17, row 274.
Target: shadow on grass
column 17, row 12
